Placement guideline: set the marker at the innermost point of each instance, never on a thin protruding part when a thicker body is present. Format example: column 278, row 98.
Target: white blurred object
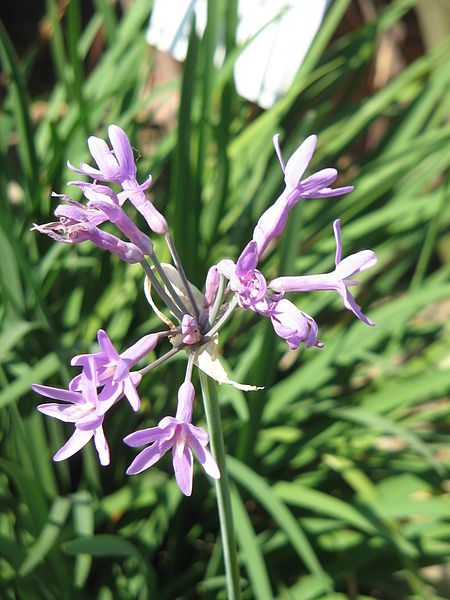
column 267, row 67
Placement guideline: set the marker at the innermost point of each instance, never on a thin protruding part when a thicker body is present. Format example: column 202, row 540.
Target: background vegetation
column 340, row 467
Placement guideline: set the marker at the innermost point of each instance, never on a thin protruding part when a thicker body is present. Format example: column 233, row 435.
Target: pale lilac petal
column 271, row 224
column 148, row 457
column 132, row 394
column 106, row 345
column 318, row 181
column 183, row 468
column 338, row 238
column 186, row 394
column 90, row 422
column 276, row 144
column 293, row 325
column 122, row 371
column 102, row 446
column 58, row 394
column 89, row 383
column 211, row 286
column 226, row 267
column 104, row 158
column 122, row 148
column 351, row 304
column 85, row 170
column 330, row 192
column 248, row 259
column 199, row 433
column 355, row 263
column 75, row 384
column 205, row 458
column 110, row 394
column 304, row 283
column 138, row 350
column 149, row 435
column 298, row 162
column 73, row 444
column 64, row 412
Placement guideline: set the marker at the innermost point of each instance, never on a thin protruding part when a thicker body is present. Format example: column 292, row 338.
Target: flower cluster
column 107, row 376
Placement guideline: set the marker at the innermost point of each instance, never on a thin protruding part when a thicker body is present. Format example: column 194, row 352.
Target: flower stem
column 179, row 267
column 212, row 411
column 218, row 301
column 160, row 291
column 224, row 318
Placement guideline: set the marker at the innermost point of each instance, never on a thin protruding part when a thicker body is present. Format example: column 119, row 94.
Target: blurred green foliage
column 339, row 465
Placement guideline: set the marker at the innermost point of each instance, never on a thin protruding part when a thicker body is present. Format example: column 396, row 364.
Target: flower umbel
column 193, row 319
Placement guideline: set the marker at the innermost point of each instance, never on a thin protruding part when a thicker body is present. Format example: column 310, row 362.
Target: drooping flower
column 294, row 325
column 272, row 222
column 85, row 408
column 338, row 280
column 176, row 433
column 112, row 370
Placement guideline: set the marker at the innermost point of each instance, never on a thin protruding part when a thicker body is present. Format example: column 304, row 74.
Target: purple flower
column 85, row 408
column 78, row 224
column 293, row 325
column 117, row 165
column 112, row 370
column 190, row 330
column 273, row 220
column 211, row 286
column 179, row 434
column 339, row 279
column 248, row 283
column 103, row 199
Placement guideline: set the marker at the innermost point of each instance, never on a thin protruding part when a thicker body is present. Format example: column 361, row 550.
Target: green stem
column 213, row 419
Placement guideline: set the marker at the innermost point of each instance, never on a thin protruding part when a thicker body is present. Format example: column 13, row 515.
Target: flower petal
column 102, row 446
column 183, row 468
column 330, row 192
column 149, row 435
column 355, row 263
column 64, row 412
column 298, row 162
column 186, row 394
column 89, row 422
column 148, row 457
column 106, row 345
column 138, row 350
column 123, row 151
column 73, row 444
column 351, row 304
column 276, row 145
column 338, row 238
column 58, row 393
column 103, row 156
column 248, row 259
column 205, row 458
column 319, row 180
column 132, row 394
